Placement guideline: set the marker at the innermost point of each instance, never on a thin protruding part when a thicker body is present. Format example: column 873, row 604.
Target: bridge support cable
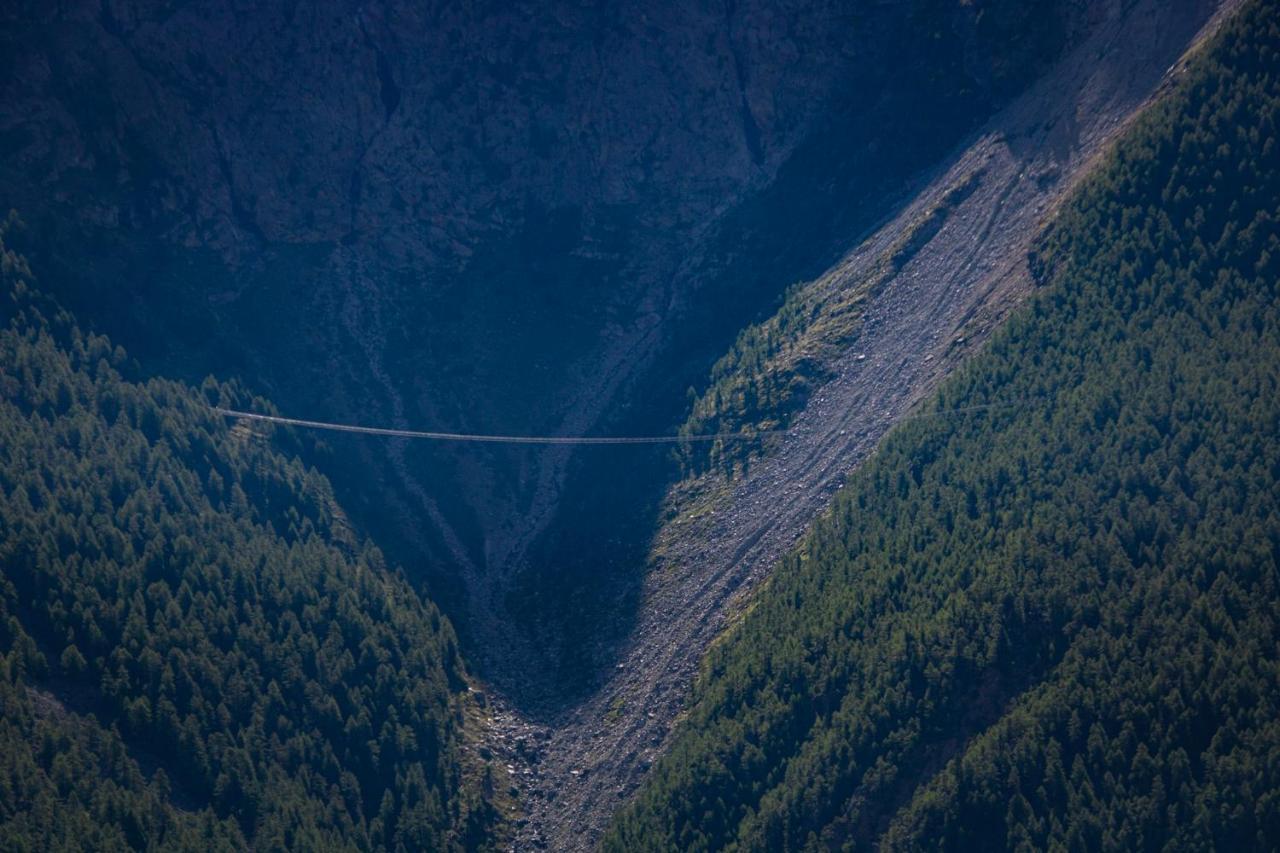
column 558, row 439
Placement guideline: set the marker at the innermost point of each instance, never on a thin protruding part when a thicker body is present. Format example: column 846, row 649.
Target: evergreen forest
column 198, row 653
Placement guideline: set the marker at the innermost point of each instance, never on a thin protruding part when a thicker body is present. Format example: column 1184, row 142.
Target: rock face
column 516, row 217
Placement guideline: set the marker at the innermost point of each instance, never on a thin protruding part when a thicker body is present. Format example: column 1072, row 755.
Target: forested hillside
column 1052, row 624
column 197, row 652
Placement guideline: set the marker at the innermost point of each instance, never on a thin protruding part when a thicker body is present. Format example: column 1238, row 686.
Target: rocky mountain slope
column 375, row 213
column 938, row 306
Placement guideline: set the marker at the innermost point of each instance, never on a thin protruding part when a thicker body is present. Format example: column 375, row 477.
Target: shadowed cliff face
column 528, row 217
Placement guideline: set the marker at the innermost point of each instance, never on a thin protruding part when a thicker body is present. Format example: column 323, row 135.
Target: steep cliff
column 516, row 217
